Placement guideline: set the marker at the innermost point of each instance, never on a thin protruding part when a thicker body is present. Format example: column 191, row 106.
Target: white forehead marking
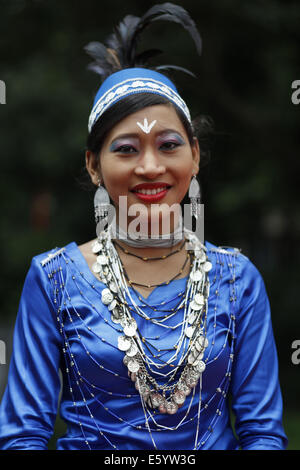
column 146, row 127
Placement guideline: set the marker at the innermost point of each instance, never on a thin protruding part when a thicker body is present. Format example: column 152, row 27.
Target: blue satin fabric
column 99, row 403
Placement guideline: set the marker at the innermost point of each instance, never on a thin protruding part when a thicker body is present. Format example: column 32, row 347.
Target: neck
column 149, row 251
column 145, row 240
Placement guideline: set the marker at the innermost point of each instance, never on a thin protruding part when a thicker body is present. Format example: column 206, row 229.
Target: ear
column 92, row 166
column 196, row 155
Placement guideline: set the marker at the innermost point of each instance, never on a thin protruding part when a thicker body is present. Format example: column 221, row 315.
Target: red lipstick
column 151, row 197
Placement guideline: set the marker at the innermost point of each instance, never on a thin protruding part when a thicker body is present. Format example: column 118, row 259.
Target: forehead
column 164, row 115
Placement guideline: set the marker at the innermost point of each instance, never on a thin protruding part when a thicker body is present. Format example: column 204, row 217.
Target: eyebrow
column 137, row 134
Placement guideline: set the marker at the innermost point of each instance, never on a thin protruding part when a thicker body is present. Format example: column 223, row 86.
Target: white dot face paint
column 146, row 127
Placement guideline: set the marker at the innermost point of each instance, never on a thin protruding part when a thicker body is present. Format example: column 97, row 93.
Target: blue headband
column 134, row 80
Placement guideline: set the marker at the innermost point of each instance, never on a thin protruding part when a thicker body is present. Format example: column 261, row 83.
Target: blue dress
column 65, row 353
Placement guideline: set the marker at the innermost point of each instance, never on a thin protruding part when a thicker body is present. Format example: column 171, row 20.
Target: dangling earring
column 101, row 204
column 195, row 197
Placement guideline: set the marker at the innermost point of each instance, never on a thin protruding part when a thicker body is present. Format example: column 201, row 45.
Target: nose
column 150, row 165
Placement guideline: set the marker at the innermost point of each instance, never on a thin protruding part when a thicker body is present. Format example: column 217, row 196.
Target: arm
column 257, row 401
column 29, row 405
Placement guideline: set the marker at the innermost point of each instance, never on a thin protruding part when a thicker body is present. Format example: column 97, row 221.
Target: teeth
column 150, row 191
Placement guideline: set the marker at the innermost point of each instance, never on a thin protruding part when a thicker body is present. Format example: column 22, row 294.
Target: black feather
column 120, row 49
column 175, row 67
column 170, row 12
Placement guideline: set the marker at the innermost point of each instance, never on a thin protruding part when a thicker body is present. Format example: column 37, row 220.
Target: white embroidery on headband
column 128, row 86
column 146, row 127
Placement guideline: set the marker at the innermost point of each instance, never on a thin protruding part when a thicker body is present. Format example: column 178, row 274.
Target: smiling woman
column 156, row 334
column 132, row 163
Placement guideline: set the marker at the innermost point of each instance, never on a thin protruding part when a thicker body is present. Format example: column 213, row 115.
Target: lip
column 158, row 184
column 152, row 197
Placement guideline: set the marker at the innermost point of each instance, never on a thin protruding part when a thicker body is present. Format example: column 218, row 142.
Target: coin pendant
column 189, row 331
column 96, row 247
column 143, row 389
column 207, row 266
column 124, row 343
column 182, row 386
column 191, row 381
column 156, row 400
column 171, row 407
column 112, row 305
column 179, row 398
column 106, row 296
column 102, row 259
column 96, row 268
column 199, row 298
column 195, row 305
column 130, row 328
column 132, row 351
column 191, row 359
column 133, row 366
column 162, row 407
column 202, row 342
column 200, row 366
column 192, row 317
column 196, row 276
column 115, row 319
column 113, row 287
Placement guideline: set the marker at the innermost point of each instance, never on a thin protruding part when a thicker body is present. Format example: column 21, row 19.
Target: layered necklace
column 180, row 374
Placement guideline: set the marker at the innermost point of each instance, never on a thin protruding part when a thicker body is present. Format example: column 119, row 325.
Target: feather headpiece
column 119, row 51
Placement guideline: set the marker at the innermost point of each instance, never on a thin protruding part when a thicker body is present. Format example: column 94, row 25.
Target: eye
column 125, row 149
column 169, row 145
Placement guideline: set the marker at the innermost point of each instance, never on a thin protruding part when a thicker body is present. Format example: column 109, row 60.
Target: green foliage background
column 251, row 187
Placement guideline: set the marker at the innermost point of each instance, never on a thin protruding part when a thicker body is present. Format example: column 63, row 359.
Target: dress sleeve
column 29, row 405
column 256, row 395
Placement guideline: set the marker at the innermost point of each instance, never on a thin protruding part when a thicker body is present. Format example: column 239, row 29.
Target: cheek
column 184, row 174
column 115, row 179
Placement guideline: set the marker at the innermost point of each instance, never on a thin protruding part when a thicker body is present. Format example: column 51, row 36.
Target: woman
column 155, row 333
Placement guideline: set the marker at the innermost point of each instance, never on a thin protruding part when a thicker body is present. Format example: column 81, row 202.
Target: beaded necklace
column 182, row 377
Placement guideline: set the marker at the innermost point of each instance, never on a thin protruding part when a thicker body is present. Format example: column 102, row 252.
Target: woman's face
column 149, row 146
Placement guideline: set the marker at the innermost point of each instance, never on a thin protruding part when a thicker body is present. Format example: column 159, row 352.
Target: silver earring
column 101, row 204
column 195, row 197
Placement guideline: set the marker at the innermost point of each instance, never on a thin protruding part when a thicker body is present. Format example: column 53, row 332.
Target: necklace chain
column 156, row 285
column 146, row 258
column 181, row 378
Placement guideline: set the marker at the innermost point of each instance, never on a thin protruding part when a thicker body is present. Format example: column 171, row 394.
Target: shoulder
column 225, row 254
column 245, row 271
column 225, row 250
column 45, row 263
